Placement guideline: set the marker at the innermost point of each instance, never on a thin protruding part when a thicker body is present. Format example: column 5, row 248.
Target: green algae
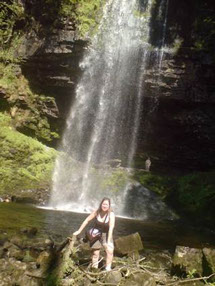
column 14, row 217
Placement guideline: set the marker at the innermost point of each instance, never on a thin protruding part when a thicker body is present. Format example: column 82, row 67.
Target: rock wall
column 176, row 128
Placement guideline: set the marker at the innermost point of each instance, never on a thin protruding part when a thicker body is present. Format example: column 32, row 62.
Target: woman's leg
column 109, row 258
column 95, row 258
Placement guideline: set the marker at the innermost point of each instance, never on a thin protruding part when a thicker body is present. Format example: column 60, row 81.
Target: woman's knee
column 109, row 250
column 96, row 253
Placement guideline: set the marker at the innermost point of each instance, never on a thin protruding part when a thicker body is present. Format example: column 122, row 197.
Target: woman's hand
column 76, row 232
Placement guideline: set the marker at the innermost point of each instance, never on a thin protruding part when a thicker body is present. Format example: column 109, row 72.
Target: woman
column 105, row 222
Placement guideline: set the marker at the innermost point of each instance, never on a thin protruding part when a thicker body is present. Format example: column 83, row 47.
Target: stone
column 140, row 279
column 113, row 277
column 44, row 260
column 209, row 255
column 16, row 253
column 128, row 244
column 159, row 260
column 29, row 256
column 187, row 260
column 2, row 252
column 84, row 253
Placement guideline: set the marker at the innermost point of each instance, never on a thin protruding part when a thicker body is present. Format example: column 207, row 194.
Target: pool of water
column 60, row 224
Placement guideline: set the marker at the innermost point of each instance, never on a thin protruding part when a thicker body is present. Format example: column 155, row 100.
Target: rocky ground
column 28, row 259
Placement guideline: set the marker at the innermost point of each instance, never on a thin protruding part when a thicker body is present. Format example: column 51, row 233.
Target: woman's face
column 105, row 205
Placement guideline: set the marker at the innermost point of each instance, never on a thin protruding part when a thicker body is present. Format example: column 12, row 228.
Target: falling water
column 163, row 7
column 104, row 120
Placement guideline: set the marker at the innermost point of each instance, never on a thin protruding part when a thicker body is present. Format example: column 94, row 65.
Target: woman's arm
column 85, row 222
column 111, row 227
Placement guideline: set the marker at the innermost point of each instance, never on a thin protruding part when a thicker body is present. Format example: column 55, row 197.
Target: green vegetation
column 192, row 194
column 11, row 13
column 25, row 163
column 115, row 180
column 84, row 13
column 159, row 184
column 26, row 108
column 204, row 27
column 196, row 192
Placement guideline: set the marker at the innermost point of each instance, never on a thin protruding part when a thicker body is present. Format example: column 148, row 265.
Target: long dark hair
column 100, row 206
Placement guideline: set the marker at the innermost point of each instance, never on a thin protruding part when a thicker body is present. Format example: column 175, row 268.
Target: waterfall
column 104, row 119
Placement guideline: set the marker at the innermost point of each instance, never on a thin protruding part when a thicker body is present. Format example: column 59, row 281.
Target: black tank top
column 102, row 226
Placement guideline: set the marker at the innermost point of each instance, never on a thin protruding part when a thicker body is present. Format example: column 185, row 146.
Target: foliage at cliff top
column 17, row 17
column 85, row 13
column 24, row 162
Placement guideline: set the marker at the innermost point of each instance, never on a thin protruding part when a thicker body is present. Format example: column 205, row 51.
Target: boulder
column 32, row 231
column 16, row 253
column 129, row 244
column 187, row 260
column 113, row 277
column 44, row 260
column 83, row 253
column 140, row 279
column 209, row 255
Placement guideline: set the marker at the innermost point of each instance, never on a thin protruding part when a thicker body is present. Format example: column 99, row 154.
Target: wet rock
column 209, row 255
column 2, row 252
column 113, row 277
column 159, row 260
column 32, row 231
column 87, row 282
column 140, row 279
column 3, row 239
column 187, row 260
column 30, row 256
column 14, row 273
column 19, row 241
column 44, row 260
column 128, row 244
column 16, row 253
column 40, row 244
column 7, row 245
column 84, row 253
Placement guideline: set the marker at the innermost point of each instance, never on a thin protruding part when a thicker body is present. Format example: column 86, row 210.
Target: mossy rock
column 25, row 162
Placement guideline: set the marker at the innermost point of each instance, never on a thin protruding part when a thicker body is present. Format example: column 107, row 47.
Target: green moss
column 85, row 14
column 10, row 13
column 192, row 194
column 21, row 216
column 162, row 185
column 19, row 96
column 196, row 192
column 5, row 120
column 25, row 163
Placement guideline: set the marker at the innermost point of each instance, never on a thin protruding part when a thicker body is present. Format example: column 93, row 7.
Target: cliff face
column 176, row 128
column 52, row 65
column 180, row 131
column 42, row 47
